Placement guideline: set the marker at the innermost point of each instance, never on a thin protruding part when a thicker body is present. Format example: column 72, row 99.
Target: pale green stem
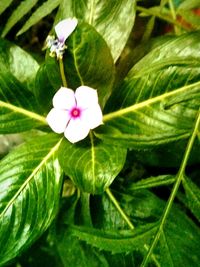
column 173, row 13
column 180, row 176
column 62, row 72
column 115, row 202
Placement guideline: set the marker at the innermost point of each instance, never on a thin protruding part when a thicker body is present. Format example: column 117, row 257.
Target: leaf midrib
column 23, row 111
column 145, row 103
column 34, row 172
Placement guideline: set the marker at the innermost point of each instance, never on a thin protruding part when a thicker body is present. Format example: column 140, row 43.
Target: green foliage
column 30, row 182
column 98, row 167
column 160, row 100
column 22, row 9
column 109, row 18
column 4, row 4
column 87, row 204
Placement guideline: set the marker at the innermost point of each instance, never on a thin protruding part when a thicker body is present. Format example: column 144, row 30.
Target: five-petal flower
column 75, row 113
column 63, row 30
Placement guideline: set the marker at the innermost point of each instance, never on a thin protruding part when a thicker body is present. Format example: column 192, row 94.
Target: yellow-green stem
column 62, row 72
column 173, row 13
column 180, row 176
column 122, row 213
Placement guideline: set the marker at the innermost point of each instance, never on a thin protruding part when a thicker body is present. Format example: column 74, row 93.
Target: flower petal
column 64, row 28
column 92, row 116
column 58, row 119
column 64, row 99
column 76, row 130
column 86, row 96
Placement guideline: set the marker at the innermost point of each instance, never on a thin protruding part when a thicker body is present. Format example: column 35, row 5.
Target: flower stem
column 62, row 72
column 115, row 202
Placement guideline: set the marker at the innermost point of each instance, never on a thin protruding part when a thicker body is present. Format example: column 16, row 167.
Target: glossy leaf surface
column 159, row 99
column 17, row 105
column 30, row 182
column 112, row 19
column 87, row 61
column 21, row 64
column 95, row 165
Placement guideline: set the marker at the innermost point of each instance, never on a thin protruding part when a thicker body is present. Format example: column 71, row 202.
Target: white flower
column 75, row 113
column 63, row 30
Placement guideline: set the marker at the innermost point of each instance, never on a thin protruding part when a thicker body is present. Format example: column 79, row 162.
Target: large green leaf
column 112, row 19
column 30, row 182
column 178, row 241
column 17, row 105
column 159, row 99
column 21, row 64
column 91, row 164
column 87, row 61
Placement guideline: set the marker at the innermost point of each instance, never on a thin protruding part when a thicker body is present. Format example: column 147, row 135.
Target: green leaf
column 23, row 8
column 44, row 90
column 112, row 19
column 21, row 64
column 115, row 241
column 153, row 182
column 76, row 253
column 42, row 11
column 190, row 17
column 4, row 4
column 179, row 242
column 192, row 192
column 91, row 164
column 188, row 4
column 87, row 61
column 17, row 105
column 182, row 226
column 179, row 237
column 159, row 99
column 30, row 182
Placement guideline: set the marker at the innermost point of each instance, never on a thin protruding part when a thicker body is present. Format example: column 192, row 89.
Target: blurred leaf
column 23, row 8
column 45, row 9
column 17, row 105
column 159, row 99
column 188, row 4
column 91, row 164
column 191, row 18
column 30, row 184
column 112, row 19
column 192, row 192
column 21, row 64
column 4, row 4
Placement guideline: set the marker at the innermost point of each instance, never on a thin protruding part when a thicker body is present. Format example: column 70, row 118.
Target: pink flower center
column 75, row 113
